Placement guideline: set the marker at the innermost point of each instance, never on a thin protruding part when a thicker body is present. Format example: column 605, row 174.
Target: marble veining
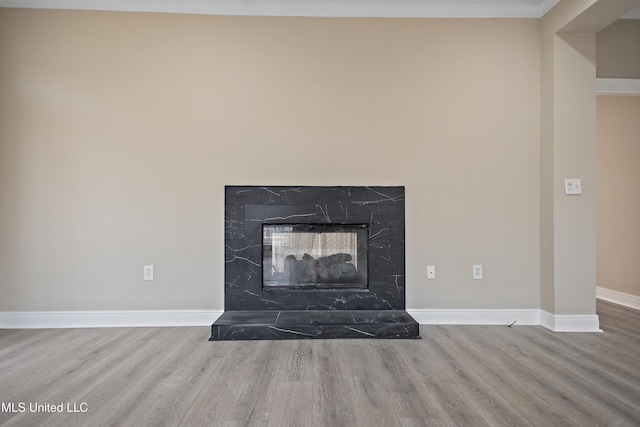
column 247, row 208
column 360, row 332
column 316, row 324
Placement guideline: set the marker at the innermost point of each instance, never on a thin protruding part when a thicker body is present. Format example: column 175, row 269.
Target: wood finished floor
column 454, row 376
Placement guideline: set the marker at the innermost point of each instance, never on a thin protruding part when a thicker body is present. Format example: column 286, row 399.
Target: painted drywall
column 118, row 132
column 618, row 52
column 574, row 157
column 568, row 150
column 567, row 147
column 618, row 205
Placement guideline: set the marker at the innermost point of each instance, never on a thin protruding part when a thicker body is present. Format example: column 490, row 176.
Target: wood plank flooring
column 454, row 376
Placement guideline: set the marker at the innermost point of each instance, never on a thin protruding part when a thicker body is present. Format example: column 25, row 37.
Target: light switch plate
column 573, row 186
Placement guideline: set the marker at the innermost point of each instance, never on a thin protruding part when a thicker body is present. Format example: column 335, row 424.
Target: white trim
column 632, row 14
column 570, row 322
column 621, row 298
column 105, row 319
column 547, row 320
column 161, row 318
column 310, row 8
column 475, row 317
column 556, row 323
column 617, row 86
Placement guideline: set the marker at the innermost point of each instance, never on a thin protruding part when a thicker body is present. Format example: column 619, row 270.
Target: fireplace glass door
column 314, row 256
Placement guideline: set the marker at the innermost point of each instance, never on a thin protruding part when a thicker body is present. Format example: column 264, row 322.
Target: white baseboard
column 620, row 298
column 570, row 322
column 554, row 322
column 162, row 318
column 105, row 319
column 476, row 317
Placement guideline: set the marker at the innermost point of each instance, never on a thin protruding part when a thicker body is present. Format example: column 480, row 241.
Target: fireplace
column 314, row 256
column 314, row 262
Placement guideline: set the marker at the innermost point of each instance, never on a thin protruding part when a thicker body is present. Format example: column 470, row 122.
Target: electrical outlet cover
column 477, row 271
column 148, row 272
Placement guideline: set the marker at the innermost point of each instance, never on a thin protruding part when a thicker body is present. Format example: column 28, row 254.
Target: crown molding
column 618, row 87
column 309, row 8
column 632, row 14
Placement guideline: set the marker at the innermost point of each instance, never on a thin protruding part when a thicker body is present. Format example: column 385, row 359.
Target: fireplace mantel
column 255, row 311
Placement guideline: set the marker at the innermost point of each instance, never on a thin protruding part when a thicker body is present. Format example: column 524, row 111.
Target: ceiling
column 319, row 8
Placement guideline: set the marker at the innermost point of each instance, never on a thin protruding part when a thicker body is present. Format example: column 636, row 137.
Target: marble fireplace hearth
column 351, row 289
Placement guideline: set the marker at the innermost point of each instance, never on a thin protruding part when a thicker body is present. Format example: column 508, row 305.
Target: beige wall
column 618, row 161
column 618, row 51
column 574, row 157
column 618, row 205
column 118, row 133
column 567, row 147
column 568, row 150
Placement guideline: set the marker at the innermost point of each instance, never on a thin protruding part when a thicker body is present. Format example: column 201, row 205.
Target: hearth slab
column 313, row 324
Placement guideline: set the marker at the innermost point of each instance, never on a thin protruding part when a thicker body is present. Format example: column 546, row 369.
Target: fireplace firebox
column 314, row 256
column 314, row 262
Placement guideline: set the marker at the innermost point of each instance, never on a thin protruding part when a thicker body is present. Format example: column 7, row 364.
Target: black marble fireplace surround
column 255, row 311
